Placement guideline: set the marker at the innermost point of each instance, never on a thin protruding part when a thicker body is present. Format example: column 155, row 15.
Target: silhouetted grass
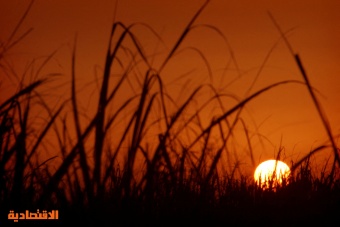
column 181, row 175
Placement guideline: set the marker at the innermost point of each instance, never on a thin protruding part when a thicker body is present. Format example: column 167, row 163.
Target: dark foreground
column 294, row 205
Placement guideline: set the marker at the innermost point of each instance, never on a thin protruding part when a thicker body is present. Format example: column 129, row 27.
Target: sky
column 284, row 116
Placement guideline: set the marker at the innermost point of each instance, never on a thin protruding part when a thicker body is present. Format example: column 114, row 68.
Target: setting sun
column 271, row 173
column 169, row 112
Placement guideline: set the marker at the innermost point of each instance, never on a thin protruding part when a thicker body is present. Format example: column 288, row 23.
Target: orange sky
column 286, row 112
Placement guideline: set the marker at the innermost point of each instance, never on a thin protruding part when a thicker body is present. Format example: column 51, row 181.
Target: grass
column 131, row 181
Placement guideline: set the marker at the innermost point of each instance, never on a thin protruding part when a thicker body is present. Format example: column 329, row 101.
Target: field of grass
column 177, row 178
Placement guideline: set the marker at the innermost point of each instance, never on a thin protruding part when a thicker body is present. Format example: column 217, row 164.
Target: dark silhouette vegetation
column 179, row 180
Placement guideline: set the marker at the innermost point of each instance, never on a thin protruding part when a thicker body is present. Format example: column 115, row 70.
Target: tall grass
column 181, row 174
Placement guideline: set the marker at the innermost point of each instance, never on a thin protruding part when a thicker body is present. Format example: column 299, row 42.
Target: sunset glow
column 157, row 113
column 271, row 173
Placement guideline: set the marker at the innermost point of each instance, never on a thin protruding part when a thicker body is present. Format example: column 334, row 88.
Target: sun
column 271, row 173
